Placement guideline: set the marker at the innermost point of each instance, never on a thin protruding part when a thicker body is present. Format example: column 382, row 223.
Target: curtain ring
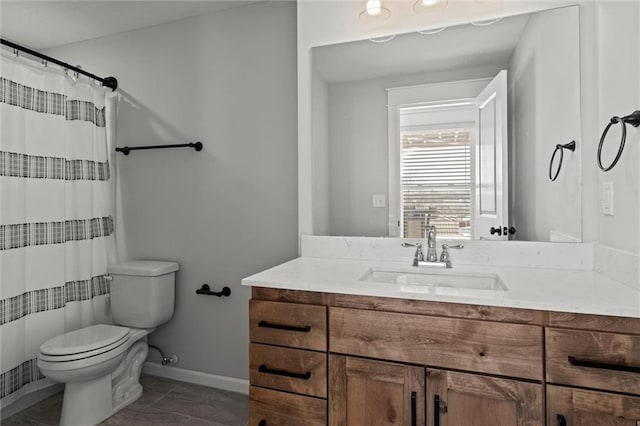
column 571, row 146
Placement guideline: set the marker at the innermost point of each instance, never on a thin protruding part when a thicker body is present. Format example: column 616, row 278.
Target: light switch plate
column 607, row 198
column 379, row 200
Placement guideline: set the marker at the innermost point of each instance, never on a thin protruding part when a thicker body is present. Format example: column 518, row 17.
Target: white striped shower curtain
column 56, row 220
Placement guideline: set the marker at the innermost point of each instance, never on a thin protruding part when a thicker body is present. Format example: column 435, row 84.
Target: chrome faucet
column 432, row 254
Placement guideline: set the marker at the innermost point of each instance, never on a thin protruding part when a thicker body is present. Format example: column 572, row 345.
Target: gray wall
column 544, row 110
column 227, row 79
column 358, row 147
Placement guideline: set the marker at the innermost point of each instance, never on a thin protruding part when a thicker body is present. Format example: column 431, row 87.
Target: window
column 436, row 181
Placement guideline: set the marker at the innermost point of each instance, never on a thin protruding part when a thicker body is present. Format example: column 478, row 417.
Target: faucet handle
column 418, row 245
column 419, row 255
column 457, row 246
column 444, row 256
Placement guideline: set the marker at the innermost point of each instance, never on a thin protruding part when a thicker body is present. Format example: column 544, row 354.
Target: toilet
column 100, row 365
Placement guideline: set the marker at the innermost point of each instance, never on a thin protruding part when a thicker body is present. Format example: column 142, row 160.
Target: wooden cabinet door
column 464, row 399
column 365, row 392
column 578, row 407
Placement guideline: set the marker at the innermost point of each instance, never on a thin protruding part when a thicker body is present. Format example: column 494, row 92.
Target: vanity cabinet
column 368, row 392
column 464, row 399
column 568, row 406
column 287, row 364
column 593, row 371
column 361, row 360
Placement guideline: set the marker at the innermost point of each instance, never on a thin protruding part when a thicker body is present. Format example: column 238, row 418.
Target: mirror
column 373, row 102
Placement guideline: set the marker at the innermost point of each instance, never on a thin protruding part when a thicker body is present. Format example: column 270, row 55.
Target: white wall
column 618, row 87
column 359, row 147
column 544, row 110
column 227, row 79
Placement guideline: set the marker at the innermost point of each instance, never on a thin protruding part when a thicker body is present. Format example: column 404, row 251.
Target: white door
column 490, row 201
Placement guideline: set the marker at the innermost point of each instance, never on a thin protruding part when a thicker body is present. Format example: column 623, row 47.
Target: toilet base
column 86, row 403
column 90, row 402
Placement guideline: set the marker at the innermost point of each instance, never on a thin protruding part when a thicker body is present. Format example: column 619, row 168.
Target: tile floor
column 164, row 402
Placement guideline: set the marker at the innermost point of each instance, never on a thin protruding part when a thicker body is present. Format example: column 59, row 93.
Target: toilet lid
column 84, row 340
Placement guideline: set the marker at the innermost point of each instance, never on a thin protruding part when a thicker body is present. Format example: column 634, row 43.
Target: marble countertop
column 562, row 290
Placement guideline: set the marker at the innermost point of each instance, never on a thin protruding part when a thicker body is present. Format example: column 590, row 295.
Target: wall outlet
column 607, row 198
column 379, row 200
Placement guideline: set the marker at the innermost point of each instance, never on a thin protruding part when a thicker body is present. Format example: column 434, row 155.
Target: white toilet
column 100, row 365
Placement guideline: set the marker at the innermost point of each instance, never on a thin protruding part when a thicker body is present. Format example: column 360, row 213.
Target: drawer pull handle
column 414, row 411
column 265, row 324
column 304, row 376
column 602, row 365
column 262, row 422
column 561, row 420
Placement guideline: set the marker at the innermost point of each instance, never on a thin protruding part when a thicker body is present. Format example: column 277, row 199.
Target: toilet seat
column 84, row 343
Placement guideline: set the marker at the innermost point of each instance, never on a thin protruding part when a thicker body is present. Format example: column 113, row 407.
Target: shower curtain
column 56, row 219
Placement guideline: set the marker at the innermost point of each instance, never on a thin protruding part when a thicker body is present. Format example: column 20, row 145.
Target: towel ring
column 571, row 146
column 634, row 120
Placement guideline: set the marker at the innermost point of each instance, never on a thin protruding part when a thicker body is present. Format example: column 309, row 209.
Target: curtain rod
column 109, row 82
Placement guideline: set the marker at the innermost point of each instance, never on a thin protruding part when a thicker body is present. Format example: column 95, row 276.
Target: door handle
column 561, row 420
column 414, row 409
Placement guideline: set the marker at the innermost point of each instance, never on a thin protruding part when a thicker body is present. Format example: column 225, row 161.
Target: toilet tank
column 142, row 292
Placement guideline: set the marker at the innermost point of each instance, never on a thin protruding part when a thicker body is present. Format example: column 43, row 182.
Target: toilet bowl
column 100, row 365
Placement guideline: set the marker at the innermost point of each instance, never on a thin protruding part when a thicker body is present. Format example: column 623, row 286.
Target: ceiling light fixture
column 382, row 39
column 486, row 22
column 432, row 31
column 425, row 6
column 374, row 11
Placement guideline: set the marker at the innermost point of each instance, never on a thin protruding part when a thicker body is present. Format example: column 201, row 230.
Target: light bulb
column 374, row 11
column 374, row 7
column 427, row 6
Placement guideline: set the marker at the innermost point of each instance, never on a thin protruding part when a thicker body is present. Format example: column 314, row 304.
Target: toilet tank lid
column 143, row 268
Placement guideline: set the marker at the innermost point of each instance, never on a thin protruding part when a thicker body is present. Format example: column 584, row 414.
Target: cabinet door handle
column 561, row 420
column 414, row 409
column 602, row 365
column 262, row 422
column 304, row 376
column 265, row 324
column 436, row 410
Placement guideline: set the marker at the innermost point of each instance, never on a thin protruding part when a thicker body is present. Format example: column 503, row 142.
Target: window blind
column 436, row 182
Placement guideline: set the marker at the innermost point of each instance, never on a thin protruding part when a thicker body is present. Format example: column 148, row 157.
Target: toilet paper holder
column 205, row 289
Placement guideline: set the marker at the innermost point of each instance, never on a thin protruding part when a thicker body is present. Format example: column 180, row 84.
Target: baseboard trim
column 219, row 382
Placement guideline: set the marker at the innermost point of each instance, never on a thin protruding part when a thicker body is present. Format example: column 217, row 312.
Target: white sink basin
column 437, row 282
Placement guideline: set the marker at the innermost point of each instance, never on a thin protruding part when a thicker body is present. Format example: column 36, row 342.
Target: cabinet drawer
column 291, row 370
column 269, row 407
column 487, row 347
column 580, row 407
column 288, row 324
column 591, row 359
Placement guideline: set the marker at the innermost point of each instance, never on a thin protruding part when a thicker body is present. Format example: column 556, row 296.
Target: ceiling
column 459, row 46
column 44, row 24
